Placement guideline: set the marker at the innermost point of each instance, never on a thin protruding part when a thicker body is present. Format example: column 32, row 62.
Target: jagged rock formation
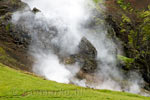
column 87, row 54
column 86, row 57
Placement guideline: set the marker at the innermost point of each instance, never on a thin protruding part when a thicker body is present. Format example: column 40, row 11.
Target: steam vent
column 75, row 49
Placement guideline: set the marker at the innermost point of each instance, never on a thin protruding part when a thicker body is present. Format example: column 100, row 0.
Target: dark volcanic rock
column 87, row 49
column 35, row 10
column 86, row 57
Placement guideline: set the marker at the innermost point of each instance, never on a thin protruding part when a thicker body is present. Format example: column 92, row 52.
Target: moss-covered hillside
column 130, row 20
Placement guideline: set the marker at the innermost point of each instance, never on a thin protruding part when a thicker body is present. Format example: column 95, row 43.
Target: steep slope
column 19, row 85
column 13, row 43
column 130, row 20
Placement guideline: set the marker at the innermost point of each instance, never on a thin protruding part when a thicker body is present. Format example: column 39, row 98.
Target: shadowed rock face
column 35, row 10
column 8, row 6
column 87, row 49
column 86, row 57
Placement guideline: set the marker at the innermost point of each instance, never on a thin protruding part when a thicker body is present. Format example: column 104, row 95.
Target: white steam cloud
column 56, row 32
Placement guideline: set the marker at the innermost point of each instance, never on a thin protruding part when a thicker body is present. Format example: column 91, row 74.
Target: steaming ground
column 56, row 32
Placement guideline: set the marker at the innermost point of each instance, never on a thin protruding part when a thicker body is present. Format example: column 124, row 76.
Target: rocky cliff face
column 13, row 40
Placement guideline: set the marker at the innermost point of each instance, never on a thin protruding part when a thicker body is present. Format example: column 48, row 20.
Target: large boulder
column 86, row 57
column 87, row 49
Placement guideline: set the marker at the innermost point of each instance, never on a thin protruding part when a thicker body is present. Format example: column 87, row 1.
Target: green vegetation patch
column 125, row 59
column 5, row 58
column 123, row 4
column 98, row 1
column 2, row 51
column 18, row 85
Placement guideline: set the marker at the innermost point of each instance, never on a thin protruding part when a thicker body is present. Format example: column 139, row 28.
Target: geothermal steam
column 56, row 32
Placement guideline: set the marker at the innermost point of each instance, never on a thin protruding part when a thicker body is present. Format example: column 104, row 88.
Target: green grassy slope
column 18, row 85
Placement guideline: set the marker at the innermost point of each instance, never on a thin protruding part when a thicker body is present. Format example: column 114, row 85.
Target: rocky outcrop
column 9, row 6
column 86, row 57
column 35, row 10
column 13, row 40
